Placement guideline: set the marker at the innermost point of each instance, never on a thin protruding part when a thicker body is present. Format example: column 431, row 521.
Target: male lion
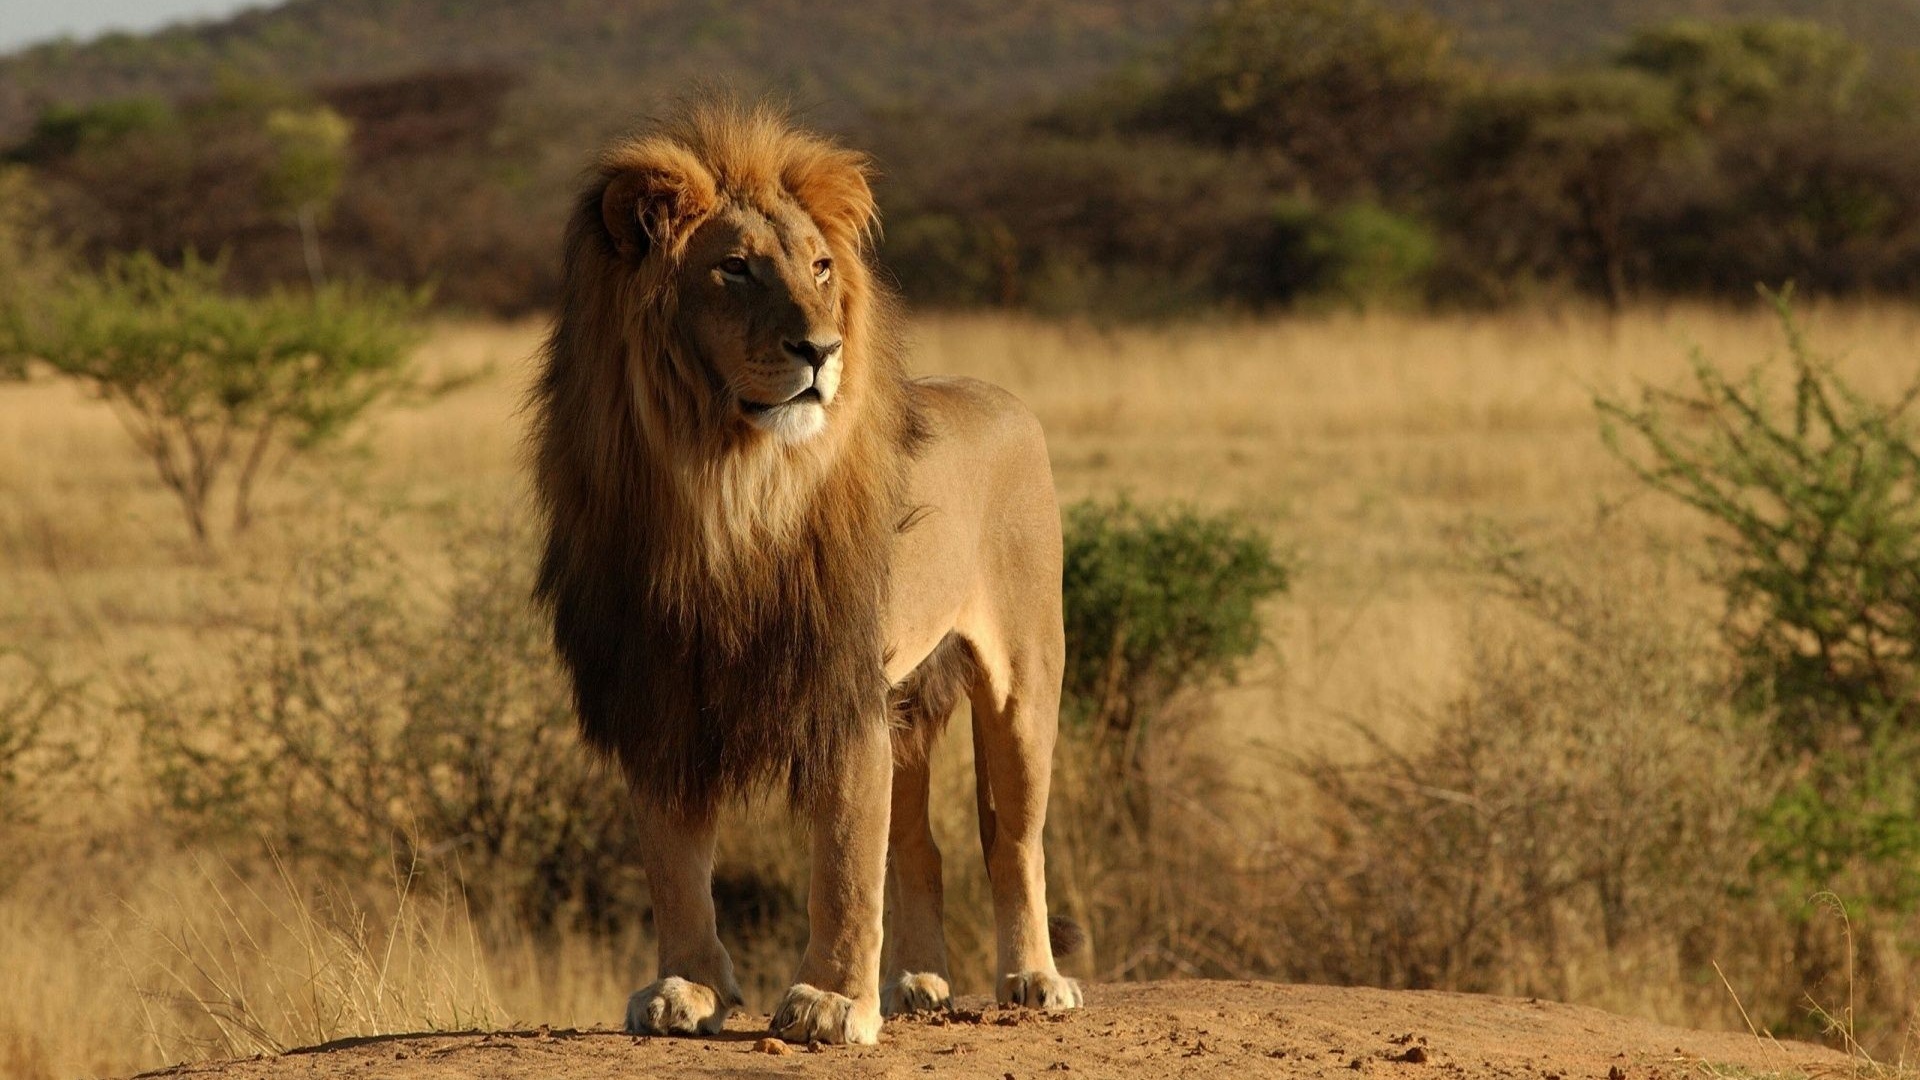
column 773, row 556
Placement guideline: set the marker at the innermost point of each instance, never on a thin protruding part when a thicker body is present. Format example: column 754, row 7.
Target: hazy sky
column 25, row 22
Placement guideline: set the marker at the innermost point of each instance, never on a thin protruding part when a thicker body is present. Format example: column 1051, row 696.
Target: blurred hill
column 1545, row 32
column 846, row 57
column 1145, row 156
column 856, row 55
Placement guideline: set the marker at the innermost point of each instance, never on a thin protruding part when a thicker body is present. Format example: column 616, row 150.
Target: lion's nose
column 815, row 353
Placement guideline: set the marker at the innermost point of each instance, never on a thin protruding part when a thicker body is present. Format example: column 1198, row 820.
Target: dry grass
column 1368, row 443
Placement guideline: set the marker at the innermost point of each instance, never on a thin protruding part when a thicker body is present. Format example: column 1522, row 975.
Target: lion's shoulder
column 972, row 410
column 983, row 453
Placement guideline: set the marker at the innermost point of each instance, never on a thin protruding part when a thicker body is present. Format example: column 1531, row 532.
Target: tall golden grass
column 1372, row 445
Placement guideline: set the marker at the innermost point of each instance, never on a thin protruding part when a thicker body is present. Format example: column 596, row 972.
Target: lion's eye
column 822, row 270
column 734, row 266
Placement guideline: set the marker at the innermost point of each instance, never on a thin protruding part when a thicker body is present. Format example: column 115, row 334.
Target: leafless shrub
column 1585, row 801
column 378, row 723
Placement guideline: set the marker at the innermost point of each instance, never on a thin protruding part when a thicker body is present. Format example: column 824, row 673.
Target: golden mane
column 717, row 598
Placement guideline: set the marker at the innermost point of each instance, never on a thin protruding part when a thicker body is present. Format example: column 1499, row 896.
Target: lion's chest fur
column 720, row 656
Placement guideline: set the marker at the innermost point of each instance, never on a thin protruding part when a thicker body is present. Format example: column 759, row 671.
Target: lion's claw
column 912, row 993
column 808, row 1015
column 1039, row 990
column 676, row 1006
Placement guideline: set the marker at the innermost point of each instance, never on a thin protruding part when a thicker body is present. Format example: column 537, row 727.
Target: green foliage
column 374, row 725
column 209, row 383
column 1158, row 602
column 1749, row 69
column 1814, row 489
column 310, row 161
column 312, row 147
column 1701, row 156
column 1340, row 88
column 1360, row 255
column 1848, row 821
column 1816, row 493
column 67, row 129
column 1543, row 173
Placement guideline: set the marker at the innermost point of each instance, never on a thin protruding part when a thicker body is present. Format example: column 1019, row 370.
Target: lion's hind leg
column 915, row 973
column 696, row 989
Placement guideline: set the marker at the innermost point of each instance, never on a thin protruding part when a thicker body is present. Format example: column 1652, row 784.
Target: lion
column 773, row 559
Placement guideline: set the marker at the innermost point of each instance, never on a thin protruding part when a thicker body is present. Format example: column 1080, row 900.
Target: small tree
column 212, row 385
column 310, row 148
column 1537, row 169
column 1352, row 92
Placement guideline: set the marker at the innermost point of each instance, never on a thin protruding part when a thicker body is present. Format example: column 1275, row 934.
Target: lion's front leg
column 836, row 995
column 696, row 989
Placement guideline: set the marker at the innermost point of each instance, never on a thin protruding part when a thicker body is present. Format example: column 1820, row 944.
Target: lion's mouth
column 755, row 408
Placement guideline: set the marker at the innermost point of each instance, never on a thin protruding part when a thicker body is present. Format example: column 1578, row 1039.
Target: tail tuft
column 1064, row 935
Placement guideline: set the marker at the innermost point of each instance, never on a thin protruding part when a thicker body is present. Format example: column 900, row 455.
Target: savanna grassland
column 1459, row 535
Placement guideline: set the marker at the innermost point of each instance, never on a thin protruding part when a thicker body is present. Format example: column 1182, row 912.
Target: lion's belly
column 932, row 581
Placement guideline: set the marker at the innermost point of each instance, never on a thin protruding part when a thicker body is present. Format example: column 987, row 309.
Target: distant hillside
column 1545, row 32
column 849, row 57
column 1041, row 153
column 863, row 55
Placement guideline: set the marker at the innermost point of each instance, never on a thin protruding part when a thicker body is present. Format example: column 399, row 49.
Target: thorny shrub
column 36, row 757
column 376, row 722
column 1586, row 794
column 1812, row 489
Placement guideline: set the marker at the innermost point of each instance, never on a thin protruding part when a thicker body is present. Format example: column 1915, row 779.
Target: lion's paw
column 1039, row 990
column 808, row 1015
column 676, row 1006
column 912, row 993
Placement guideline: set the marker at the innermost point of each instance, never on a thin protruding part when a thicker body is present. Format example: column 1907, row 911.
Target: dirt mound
column 1186, row 1029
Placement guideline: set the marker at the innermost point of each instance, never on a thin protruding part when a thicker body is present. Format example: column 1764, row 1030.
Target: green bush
column 210, row 384
column 1360, row 255
column 1158, row 601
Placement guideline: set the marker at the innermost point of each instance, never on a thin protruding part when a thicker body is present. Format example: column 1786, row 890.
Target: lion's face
column 744, row 244
column 759, row 299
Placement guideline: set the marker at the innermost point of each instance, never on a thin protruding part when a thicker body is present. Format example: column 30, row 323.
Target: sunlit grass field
column 1373, row 447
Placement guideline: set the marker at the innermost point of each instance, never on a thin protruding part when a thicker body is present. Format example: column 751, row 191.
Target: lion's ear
column 654, row 194
column 833, row 184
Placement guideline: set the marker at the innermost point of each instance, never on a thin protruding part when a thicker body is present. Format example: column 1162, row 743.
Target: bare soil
column 1201, row 1030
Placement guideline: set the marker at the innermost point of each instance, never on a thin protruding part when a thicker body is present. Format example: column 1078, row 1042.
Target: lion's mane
column 717, row 598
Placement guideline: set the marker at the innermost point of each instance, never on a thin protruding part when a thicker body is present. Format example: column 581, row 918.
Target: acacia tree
column 1751, row 69
column 1542, row 174
column 212, row 385
column 1350, row 92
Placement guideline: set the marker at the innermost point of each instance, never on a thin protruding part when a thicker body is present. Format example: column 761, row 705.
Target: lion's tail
column 1064, row 936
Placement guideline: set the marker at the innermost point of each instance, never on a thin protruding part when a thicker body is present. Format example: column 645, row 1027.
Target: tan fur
column 772, row 558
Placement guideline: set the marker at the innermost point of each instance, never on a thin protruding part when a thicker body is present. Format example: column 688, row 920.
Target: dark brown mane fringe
column 710, row 667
